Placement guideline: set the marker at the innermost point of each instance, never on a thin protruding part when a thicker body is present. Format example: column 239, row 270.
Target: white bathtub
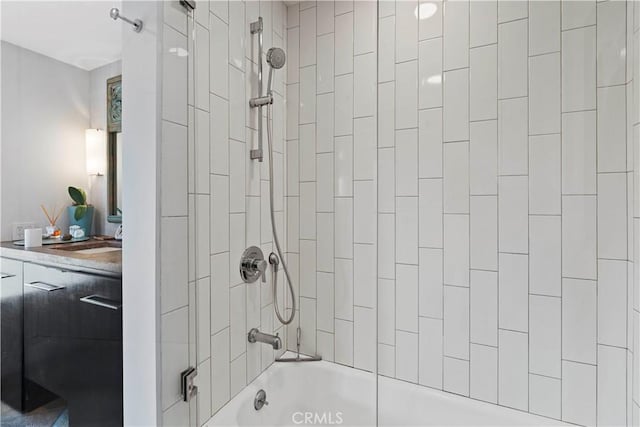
column 323, row 393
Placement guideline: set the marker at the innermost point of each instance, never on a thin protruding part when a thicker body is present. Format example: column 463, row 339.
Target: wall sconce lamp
column 96, row 152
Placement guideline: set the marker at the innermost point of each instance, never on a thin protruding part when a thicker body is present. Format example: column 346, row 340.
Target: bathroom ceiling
column 80, row 33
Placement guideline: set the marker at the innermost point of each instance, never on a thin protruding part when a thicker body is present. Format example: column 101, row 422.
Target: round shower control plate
column 252, row 257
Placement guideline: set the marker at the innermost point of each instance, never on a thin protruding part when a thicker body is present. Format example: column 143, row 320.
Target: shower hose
column 275, row 235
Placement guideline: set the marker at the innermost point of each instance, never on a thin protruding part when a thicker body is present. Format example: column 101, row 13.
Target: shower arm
column 256, row 28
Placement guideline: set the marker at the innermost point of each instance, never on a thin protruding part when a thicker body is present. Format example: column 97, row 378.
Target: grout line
column 579, row 28
column 446, row 356
column 545, row 376
column 561, row 228
column 581, row 363
column 528, row 150
column 442, row 196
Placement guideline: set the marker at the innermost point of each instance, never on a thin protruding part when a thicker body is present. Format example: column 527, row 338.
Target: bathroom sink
column 90, row 247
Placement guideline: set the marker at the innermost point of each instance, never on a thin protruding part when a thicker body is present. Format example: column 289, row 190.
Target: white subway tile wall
column 334, row 185
column 486, row 169
column 523, row 187
column 215, row 200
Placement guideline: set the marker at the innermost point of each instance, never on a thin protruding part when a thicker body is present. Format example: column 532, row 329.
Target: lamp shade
column 96, row 151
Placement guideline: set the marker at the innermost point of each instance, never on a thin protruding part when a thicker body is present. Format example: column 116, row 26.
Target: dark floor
column 53, row 414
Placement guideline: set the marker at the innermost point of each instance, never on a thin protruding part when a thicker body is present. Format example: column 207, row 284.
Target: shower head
column 276, row 57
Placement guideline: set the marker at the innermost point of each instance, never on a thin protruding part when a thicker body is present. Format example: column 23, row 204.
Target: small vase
column 85, row 222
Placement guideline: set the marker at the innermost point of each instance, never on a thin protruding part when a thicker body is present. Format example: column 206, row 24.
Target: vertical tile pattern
column 332, row 182
column 521, row 198
column 180, row 140
column 213, row 197
column 633, row 198
column 512, row 370
column 506, row 207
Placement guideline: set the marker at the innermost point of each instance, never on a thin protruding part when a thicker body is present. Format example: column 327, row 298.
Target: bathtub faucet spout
column 273, row 340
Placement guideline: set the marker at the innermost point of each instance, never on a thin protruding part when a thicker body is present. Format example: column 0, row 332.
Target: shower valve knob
column 253, row 265
column 262, row 268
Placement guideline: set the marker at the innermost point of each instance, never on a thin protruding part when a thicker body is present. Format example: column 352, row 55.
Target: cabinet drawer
column 10, row 267
column 11, row 330
column 47, row 326
column 11, row 284
column 73, row 340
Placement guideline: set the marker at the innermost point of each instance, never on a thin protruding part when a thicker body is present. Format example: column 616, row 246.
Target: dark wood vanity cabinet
column 16, row 391
column 11, row 322
column 73, row 341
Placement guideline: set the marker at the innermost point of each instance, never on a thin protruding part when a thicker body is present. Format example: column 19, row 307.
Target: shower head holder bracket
column 261, row 101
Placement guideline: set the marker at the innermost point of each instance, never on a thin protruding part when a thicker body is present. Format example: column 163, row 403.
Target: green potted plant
column 80, row 213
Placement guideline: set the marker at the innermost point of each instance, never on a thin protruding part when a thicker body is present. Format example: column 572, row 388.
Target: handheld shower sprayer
column 276, row 59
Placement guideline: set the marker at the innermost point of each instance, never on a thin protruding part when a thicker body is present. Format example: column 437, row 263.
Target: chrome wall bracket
column 256, row 154
column 136, row 23
column 256, row 26
column 187, row 384
column 261, row 101
column 189, row 4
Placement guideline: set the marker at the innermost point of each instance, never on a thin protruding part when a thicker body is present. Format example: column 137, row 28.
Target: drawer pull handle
column 43, row 286
column 6, row 275
column 102, row 302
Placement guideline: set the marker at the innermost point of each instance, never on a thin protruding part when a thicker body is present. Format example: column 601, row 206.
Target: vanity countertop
column 105, row 263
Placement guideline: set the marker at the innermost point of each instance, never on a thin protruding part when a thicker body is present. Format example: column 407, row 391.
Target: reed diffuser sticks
column 52, row 218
